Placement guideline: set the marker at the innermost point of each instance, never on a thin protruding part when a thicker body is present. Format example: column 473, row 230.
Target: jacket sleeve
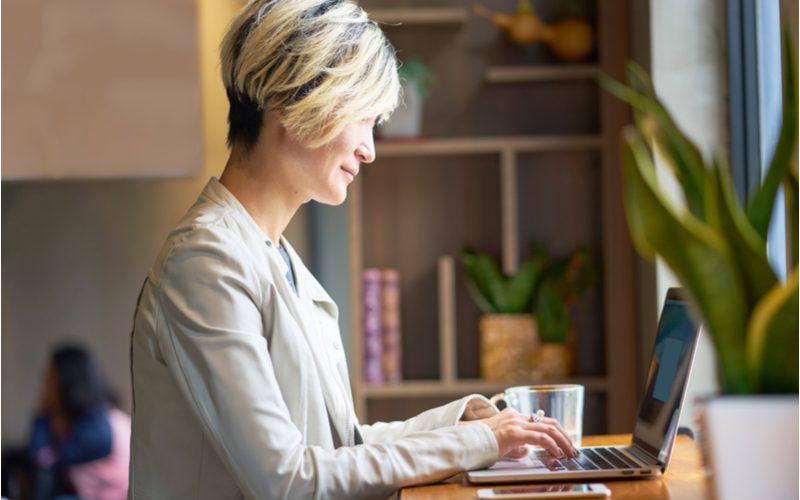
column 214, row 346
column 472, row 407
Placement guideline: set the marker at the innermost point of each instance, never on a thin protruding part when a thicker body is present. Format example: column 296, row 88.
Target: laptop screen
column 659, row 409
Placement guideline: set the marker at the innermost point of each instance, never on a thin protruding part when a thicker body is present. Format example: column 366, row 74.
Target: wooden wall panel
column 100, row 89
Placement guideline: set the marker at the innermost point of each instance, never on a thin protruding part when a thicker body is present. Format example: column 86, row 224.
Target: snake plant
column 715, row 244
column 543, row 286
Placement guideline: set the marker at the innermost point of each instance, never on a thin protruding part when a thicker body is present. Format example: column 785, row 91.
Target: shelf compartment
column 572, row 179
column 404, row 208
column 419, row 15
column 484, row 145
column 425, row 388
column 540, row 73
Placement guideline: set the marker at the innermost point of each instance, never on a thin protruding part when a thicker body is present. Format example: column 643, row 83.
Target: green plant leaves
column 559, row 281
column 699, row 257
column 717, row 248
column 759, row 210
column 658, row 128
column 519, row 288
column 492, row 291
column 415, row 72
column 552, row 314
column 790, row 190
column 772, row 340
column 484, row 281
column 749, row 250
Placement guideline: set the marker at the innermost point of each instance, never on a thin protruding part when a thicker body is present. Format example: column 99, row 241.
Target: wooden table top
column 684, row 478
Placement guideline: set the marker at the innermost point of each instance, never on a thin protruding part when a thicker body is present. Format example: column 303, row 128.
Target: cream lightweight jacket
column 240, row 385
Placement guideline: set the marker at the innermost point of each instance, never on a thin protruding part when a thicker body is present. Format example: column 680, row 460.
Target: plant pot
column 406, row 121
column 553, row 360
column 750, row 446
column 507, row 343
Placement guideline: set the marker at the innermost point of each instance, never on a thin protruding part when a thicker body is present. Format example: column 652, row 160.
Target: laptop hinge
column 644, row 456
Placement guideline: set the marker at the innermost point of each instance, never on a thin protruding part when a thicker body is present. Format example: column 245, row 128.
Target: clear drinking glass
column 564, row 402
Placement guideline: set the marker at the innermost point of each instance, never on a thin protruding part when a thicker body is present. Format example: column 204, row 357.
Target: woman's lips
column 350, row 172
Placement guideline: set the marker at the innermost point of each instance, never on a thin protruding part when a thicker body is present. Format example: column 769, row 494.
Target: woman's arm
column 471, row 407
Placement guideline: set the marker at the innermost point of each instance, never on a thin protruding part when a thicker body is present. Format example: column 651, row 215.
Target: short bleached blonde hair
column 321, row 63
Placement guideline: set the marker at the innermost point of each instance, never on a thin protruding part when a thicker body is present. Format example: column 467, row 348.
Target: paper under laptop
column 656, row 423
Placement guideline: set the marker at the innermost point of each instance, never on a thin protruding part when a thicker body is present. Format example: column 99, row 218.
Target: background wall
column 75, row 253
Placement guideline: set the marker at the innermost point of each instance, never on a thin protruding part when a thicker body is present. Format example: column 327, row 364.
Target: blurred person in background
column 79, row 445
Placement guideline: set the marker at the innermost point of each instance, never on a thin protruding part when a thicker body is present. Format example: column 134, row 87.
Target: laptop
column 656, row 423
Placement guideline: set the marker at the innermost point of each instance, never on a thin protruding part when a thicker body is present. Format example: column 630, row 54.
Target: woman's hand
column 513, row 431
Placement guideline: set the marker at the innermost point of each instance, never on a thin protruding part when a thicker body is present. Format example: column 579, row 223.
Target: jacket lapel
column 318, row 315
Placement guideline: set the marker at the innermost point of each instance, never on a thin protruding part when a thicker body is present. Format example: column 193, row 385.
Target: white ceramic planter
column 406, row 121
column 750, row 446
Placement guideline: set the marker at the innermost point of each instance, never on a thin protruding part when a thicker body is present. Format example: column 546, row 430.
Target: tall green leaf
column 484, row 281
column 749, row 250
column 655, row 123
column 699, row 257
column 759, row 210
column 519, row 288
column 791, row 192
column 493, row 292
column 552, row 315
column 773, row 340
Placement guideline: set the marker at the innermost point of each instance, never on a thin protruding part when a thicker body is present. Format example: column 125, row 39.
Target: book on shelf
column 381, row 326
column 390, row 325
column 373, row 344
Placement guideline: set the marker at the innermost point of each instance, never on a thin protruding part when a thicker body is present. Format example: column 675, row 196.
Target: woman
column 80, row 441
column 239, row 377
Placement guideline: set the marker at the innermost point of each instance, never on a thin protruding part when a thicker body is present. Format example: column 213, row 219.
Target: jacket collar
column 307, row 285
column 219, row 194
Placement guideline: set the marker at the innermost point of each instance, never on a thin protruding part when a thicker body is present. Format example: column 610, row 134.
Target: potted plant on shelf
column 406, row 122
column 512, row 346
column 564, row 281
column 716, row 246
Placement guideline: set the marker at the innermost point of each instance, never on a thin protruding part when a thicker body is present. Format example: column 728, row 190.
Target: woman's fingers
column 560, row 439
column 555, row 423
column 513, row 430
column 519, row 452
column 545, row 441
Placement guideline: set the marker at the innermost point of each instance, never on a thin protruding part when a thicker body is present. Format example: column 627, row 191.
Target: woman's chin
column 333, row 199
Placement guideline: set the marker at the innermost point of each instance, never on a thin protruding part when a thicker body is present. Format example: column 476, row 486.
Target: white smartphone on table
column 554, row 491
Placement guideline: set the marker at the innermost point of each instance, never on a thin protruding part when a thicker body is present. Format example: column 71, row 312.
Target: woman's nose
column 366, row 150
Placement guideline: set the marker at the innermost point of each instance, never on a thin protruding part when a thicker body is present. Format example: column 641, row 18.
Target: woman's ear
column 272, row 124
column 273, row 116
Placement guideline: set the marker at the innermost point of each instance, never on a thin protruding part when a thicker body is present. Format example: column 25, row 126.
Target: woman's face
column 328, row 170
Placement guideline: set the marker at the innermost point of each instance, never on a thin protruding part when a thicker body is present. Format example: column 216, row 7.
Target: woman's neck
column 255, row 180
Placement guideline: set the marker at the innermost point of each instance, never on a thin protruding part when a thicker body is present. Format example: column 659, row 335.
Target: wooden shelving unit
column 487, row 145
column 419, row 15
column 541, row 73
column 467, row 386
column 516, row 150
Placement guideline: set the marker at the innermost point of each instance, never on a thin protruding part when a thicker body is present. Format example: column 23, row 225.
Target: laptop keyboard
column 589, row 459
